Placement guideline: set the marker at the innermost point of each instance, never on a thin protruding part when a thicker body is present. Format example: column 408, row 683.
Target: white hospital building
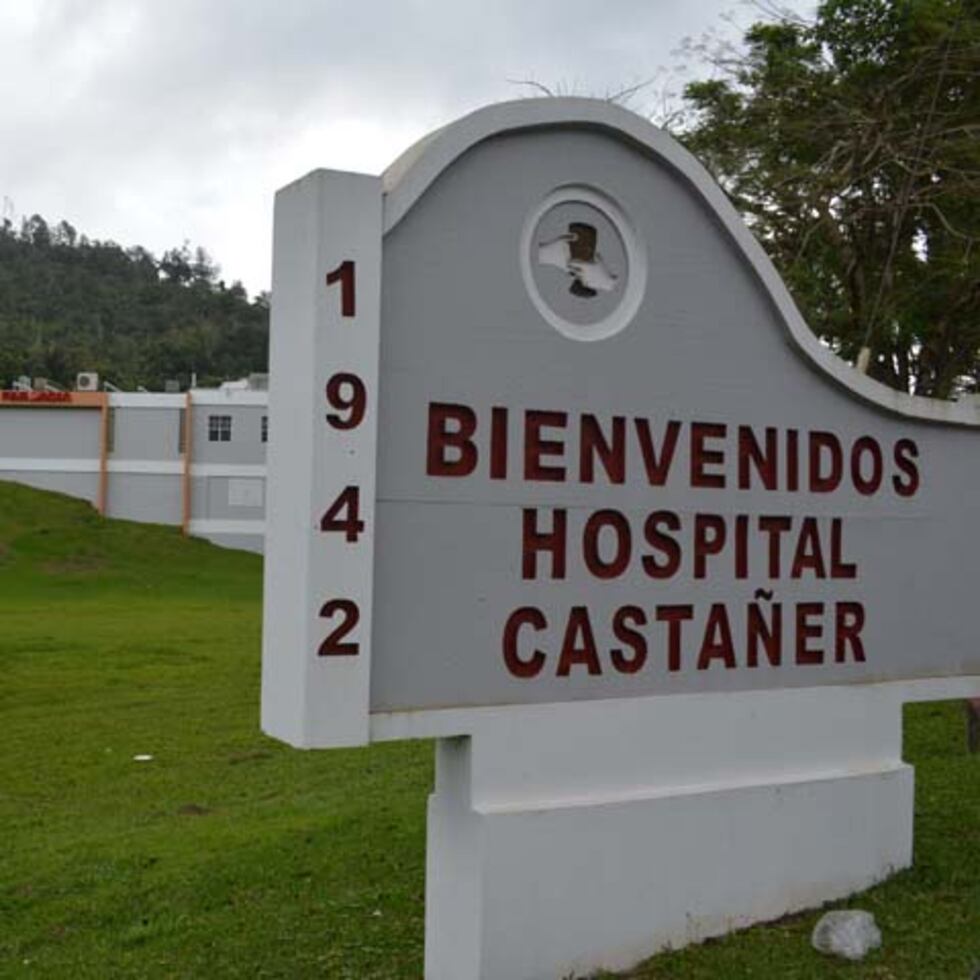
column 195, row 459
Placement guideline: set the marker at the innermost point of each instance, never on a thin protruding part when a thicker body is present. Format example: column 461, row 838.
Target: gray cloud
column 151, row 123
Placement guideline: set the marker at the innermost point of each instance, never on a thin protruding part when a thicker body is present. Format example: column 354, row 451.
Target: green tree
column 69, row 304
column 851, row 145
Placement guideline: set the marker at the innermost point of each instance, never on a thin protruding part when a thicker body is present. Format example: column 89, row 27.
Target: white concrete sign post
column 558, row 476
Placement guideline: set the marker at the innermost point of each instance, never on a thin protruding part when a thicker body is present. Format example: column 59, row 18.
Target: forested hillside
column 68, row 304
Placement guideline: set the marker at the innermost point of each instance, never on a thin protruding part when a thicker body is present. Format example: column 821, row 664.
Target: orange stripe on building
column 103, row 500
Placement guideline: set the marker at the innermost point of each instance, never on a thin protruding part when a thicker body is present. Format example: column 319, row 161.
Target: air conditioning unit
column 87, row 381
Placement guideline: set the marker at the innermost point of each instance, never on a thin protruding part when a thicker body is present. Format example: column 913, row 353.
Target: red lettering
column 674, row 617
column 865, row 446
column 765, row 463
column 805, row 630
column 821, row 482
column 535, row 447
column 441, row 440
column 808, row 554
column 344, row 514
column 578, row 646
column 657, row 469
column 663, row 543
column 774, row 527
column 717, row 642
column 906, row 452
column 344, row 274
column 42, row 397
column 498, row 443
column 590, row 544
column 838, row 567
column 771, row 637
column 742, row 546
column 709, row 539
column 347, row 394
column 612, row 454
column 519, row 667
column 848, row 623
column 534, row 541
column 632, row 638
column 333, row 645
column 703, row 457
column 792, row 460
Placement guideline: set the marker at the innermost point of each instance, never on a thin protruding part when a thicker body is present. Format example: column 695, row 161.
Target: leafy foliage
column 68, row 304
column 851, row 144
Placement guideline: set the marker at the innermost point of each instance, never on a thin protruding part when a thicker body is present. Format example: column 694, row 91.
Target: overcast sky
column 154, row 121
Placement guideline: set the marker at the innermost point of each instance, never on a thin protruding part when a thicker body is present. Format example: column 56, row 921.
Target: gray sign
column 557, row 432
column 600, row 480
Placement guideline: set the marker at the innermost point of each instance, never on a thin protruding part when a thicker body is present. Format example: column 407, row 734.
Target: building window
column 219, row 428
column 265, row 428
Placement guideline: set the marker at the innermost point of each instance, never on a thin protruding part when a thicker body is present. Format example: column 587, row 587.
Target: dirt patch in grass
column 74, row 565
column 193, row 810
column 239, row 757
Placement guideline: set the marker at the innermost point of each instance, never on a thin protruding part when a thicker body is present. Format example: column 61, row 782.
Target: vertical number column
column 319, row 564
column 345, row 453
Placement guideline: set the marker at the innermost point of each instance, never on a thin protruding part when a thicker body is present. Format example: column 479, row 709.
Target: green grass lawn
column 229, row 855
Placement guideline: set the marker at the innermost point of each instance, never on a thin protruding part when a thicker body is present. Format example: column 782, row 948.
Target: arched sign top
column 407, row 179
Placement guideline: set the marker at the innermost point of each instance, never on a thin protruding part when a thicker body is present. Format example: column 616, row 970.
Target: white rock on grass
column 848, row 933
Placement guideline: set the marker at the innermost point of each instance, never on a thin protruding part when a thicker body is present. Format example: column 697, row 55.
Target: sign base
column 712, row 812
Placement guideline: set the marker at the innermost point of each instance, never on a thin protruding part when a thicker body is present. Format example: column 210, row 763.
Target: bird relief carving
column 575, row 252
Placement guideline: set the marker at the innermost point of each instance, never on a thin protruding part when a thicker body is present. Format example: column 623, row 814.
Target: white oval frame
column 636, row 263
